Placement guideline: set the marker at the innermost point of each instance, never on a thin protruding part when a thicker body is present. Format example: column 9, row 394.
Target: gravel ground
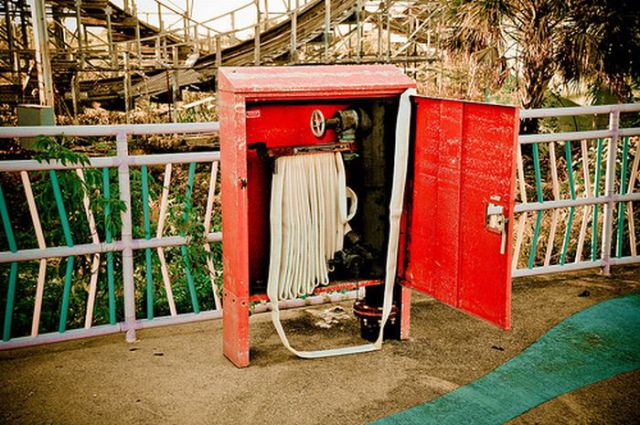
column 178, row 374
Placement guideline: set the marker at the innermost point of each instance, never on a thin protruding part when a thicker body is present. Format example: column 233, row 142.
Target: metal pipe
column 555, row 137
column 92, row 248
column 557, row 268
column 49, row 338
column 582, row 265
column 576, row 135
column 578, row 110
column 112, row 161
column 110, row 130
column 567, row 203
column 158, row 322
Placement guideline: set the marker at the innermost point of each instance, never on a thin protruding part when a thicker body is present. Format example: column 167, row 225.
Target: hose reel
column 309, row 218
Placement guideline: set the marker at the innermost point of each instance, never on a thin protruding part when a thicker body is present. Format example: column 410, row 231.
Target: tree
column 592, row 42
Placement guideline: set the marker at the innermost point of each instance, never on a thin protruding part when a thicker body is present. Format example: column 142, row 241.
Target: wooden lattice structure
column 97, row 50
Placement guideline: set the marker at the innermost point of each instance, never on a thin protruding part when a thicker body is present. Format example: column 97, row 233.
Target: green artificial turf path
column 597, row 343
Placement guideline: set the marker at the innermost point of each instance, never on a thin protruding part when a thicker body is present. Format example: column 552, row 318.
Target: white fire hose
column 309, row 219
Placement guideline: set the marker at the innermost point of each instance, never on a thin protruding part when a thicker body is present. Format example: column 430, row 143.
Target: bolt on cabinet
column 455, row 240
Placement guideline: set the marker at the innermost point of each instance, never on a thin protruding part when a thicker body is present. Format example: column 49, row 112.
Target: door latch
column 497, row 222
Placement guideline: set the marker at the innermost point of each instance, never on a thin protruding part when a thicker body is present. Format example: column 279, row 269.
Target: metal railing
column 123, row 161
column 577, row 183
column 599, row 240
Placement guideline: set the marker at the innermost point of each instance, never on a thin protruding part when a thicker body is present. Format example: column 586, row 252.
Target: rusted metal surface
column 464, row 160
column 335, row 287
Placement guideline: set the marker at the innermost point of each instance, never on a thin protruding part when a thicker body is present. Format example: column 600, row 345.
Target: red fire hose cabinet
column 456, row 227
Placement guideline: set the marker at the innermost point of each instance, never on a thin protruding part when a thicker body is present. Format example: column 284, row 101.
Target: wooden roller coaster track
column 128, row 57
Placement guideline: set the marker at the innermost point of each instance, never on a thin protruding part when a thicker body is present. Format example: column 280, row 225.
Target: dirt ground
column 178, row 374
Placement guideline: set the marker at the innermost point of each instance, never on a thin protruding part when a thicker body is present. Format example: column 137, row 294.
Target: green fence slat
column 572, row 191
column 106, row 191
column 64, row 309
column 183, row 248
column 13, row 273
column 596, row 193
column 147, row 235
column 57, row 194
column 536, row 231
column 623, row 190
column 8, row 309
column 66, row 293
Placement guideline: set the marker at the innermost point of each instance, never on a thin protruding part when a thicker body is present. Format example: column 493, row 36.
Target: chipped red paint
column 464, row 156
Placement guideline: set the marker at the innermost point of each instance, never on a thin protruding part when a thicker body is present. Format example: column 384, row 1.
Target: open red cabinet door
column 460, row 205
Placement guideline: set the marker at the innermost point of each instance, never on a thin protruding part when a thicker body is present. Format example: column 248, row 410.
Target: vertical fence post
column 609, row 189
column 127, row 252
column 623, row 190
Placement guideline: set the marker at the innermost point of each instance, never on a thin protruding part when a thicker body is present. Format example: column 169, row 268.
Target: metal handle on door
column 497, row 222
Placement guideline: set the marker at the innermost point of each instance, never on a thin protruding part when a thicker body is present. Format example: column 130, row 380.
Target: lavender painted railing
column 583, row 189
column 123, row 161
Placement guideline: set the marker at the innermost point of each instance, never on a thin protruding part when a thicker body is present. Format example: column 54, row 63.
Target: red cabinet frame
column 457, row 149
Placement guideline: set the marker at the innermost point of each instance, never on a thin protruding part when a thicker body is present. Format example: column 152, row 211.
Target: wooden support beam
column 358, row 30
column 160, row 21
column 327, row 28
column 112, row 51
column 10, row 41
column 379, row 34
column 127, row 85
column 175, row 83
column 218, row 51
column 388, row 25
column 256, row 38
column 79, row 34
column 266, row 15
column 293, row 50
column 43, row 60
column 137, row 30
